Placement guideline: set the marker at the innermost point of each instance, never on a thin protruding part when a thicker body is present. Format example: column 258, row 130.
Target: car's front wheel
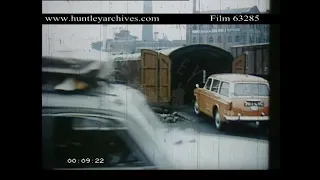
column 196, row 108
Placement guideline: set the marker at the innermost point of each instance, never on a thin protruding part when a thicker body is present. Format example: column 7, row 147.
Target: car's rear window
column 251, row 89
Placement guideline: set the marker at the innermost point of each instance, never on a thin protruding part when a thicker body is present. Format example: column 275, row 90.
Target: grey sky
column 93, row 32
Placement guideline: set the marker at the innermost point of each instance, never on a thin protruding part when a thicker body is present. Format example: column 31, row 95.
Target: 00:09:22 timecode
column 85, row 161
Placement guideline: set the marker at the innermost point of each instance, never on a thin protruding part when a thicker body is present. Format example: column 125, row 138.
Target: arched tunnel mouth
column 191, row 65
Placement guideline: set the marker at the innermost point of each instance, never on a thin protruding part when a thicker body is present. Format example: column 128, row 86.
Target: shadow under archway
column 187, row 67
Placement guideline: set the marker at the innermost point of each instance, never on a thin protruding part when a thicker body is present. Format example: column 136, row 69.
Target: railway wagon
column 168, row 77
column 127, row 69
column 251, row 59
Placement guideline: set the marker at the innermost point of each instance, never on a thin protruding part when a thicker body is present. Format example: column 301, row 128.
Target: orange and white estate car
column 233, row 98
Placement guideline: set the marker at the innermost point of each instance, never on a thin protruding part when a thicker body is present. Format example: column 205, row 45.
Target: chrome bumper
column 246, row 118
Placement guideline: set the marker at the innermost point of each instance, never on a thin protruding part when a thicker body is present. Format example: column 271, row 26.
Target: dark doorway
column 188, row 66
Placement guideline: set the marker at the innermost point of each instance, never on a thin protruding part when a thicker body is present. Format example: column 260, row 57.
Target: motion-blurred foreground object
column 88, row 64
column 92, row 122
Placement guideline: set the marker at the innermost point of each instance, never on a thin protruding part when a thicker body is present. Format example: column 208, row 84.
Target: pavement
column 193, row 142
column 204, row 124
column 189, row 148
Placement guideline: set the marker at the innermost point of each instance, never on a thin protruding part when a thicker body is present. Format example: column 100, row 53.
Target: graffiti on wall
column 182, row 70
column 178, row 93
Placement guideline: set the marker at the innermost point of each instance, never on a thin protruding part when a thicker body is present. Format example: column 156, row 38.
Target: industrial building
column 227, row 35
column 125, row 43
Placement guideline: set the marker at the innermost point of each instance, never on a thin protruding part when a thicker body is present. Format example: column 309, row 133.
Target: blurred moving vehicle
column 231, row 98
column 89, row 122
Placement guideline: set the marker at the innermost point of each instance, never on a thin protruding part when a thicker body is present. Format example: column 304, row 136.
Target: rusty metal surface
column 149, row 75
column 251, row 59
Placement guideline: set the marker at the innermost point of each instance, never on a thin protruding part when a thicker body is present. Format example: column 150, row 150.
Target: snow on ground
column 192, row 150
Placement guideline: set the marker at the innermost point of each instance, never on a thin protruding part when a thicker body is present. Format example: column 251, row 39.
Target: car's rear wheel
column 264, row 127
column 196, row 108
column 217, row 120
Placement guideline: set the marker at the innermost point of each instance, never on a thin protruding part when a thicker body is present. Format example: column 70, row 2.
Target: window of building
column 244, row 38
column 257, row 40
column 229, row 39
column 210, row 39
column 213, row 26
column 194, row 27
column 251, row 39
column 219, row 39
column 237, row 39
column 237, row 26
column 201, row 39
column 194, row 40
column 252, row 26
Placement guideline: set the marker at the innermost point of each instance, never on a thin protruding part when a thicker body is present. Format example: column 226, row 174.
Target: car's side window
column 215, row 86
column 224, row 89
column 208, row 84
column 112, row 147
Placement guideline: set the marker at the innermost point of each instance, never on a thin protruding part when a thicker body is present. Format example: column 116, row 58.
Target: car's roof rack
column 74, row 69
column 90, row 65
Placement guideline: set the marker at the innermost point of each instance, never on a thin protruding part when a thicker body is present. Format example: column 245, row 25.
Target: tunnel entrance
column 187, row 68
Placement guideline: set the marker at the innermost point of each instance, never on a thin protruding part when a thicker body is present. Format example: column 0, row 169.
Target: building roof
column 79, row 54
column 238, row 78
column 127, row 57
column 265, row 12
column 247, row 10
column 250, row 45
column 167, row 52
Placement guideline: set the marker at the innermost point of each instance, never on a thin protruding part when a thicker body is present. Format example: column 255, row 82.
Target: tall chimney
column 104, row 37
column 156, row 36
column 147, row 30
